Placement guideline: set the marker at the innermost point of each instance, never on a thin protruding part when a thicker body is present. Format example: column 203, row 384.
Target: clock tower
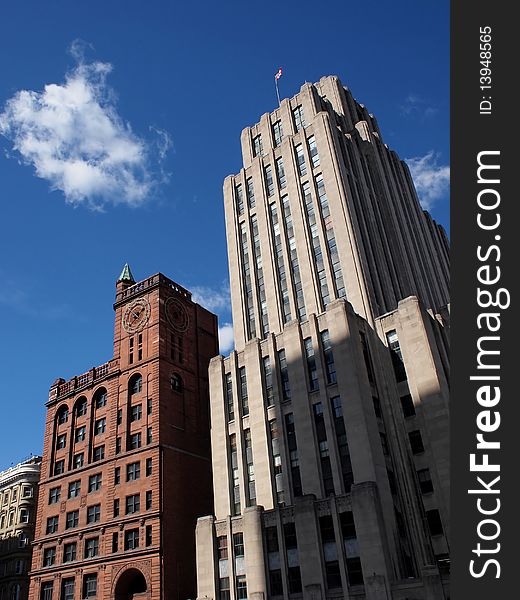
column 126, row 468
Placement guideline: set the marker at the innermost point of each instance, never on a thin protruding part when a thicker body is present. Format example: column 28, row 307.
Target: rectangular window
column 91, row 547
column 117, row 475
column 101, row 400
column 93, row 513
column 148, row 467
column 148, row 499
column 313, row 151
column 275, row 582
column 69, row 552
column 277, row 133
column 397, row 357
column 115, row 542
column 100, row 426
column 118, row 445
column 416, row 442
column 258, row 149
column 268, row 381
column 119, row 416
column 293, row 454
column 116, row 507
column 250, row 192
column 284, row 375
column 52, row 524
column 241, row 587
column 74, row 488
column 46, row 590
column 312, row 371
column 94, row 482
column 148, row 536
column 269, row 181
column 434, row 522
column 54, row 495
column 149, row 406
column 131, row 539
column 99, row 453
column 230, row 405
column 79, row 435
column 135, row 441
column 300, row 160
column 251, row 486
column 321, row 435
column 366, row 356
column 295, row 580
column 49, row 556
column 67, row 588
column 240, row 199
column 330, row 367
column 243, row 391
column 233, row 454
column 407, row 405
column 238, row 544
column 280, row 171
column 425, row 481
column 133, row 471
column 59, row 467
column 61, row 441
column 149, row 435
column 90, row 585
column 224, row 589
column 132, row 504
column 222, row 547
column 299, row 118
column 72, row 519
column 277, row 460
column 78, row 460
column 136, row 412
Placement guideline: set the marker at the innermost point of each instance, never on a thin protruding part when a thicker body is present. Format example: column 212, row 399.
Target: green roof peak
column 126, row 274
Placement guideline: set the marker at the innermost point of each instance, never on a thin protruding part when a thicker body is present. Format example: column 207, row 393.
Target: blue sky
column 167, row 87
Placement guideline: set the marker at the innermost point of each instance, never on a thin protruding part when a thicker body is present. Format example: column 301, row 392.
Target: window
column 354, row 571
column 148, row 535
column 293, row 454
column 52, row 524
column 23, row 540
column 46, row 590
column 24, row 515
column 136, row 413
column 238, row 544
column 18, row 568
column 243, row 391
column 74, row 488
column 277, row 460
column 69, row 552
column 377, row 407
column 131, row 350
column 333, row 574
column 250, row 468
column 384, row 443
column 133, row 471
column 72, row 519
column 148, row 467
column 99, row 453
column 54, row 495
column 284, row 375
column 240, row 199
column 49, row 556
column 79, row 435
column 280, row 171
column 61, row 442
column 277, row 133
column 275, row 582
column 416, row 442
column 67, row 588
column 132, row 504
column 222, row 547
column 100, row 426
column 135, row 441
column 148, row 499
column 241, row 587
column 224, row 589
column 295, row 580
column 236, row 476
column 397, row 357
column 312, row 372
column 136, row 384
column 101, row 398
column 425, row 481
column 328, row 355
column 313, row 151
column 268, row 381
column 300, row 160
column 149, row 435
column 94, row 482
column 93, row 513
column 118, row 445
column 91, row 547
column 59, row 467
column 119, row 416
column 27, row 492
column 63, row 415
column 90, row 585
column 299, row 118
column 115, row 542
column 116, row 507
column 117, row 475
column 229, row 398
column 434, row 522
column 78, row 460
column 408, row 405
column 149, row 406
column 258, row 149
column 269, row 182
column 131, row 539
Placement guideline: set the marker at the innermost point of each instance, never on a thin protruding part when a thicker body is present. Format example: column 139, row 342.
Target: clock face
column 176, row 314
column 136, row 315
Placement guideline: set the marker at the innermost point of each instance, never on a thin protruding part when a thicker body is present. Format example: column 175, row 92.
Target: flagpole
column 277, row 93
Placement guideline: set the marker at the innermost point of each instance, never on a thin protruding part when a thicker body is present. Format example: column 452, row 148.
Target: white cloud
column 415, row 106
column 226, row 338
column 214, row 300
column 73, row 136
column 431, row 179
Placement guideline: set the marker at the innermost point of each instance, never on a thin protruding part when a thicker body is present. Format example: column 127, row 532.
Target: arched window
column 176, row 382
column 135, row 385
column 81, row 407
column 100, row 398
column 63, row 414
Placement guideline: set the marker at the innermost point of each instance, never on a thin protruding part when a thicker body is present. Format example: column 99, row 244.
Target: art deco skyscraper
column 126, row 463
column 330, row 420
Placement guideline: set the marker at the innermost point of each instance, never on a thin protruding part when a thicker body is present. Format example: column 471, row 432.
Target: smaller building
column 18, row 493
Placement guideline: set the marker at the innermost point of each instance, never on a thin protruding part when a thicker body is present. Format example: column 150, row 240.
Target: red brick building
column 126, row 465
